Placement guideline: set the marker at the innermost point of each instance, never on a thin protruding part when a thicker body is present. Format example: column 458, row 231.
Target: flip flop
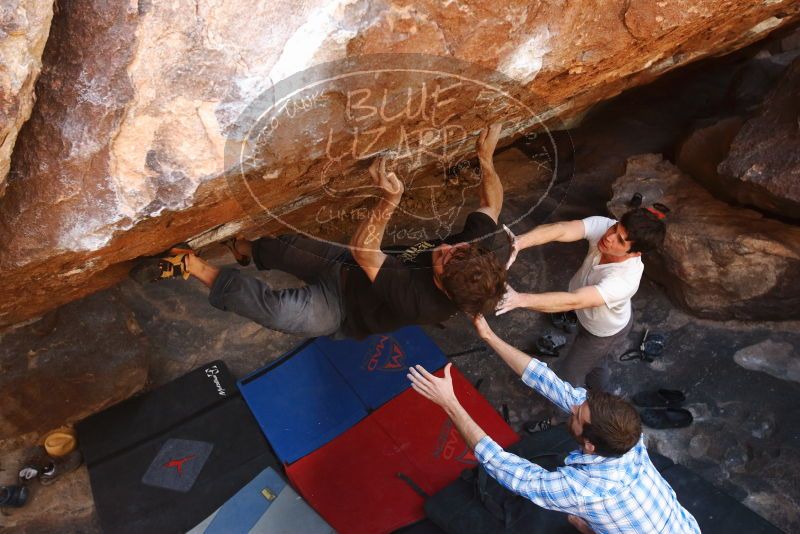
column 666, row 417
column 241, row 259
column 661, row 398
column 14, row 496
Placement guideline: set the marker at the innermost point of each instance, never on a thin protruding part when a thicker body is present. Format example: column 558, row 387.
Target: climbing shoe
column 13, row 496
column 170, row 264
column 666, row 417
column 241, row 259
column 660, row 398
column 550, row 344
column 566, row 321
column 60, row 466
column 36, row 463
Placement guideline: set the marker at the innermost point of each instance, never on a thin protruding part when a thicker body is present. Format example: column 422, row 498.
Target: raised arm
column 365, row 244
column 553, row 302
column 563, row 232
column 533, row 372
column 514, row 358
column 547, row 489
column 491, row 188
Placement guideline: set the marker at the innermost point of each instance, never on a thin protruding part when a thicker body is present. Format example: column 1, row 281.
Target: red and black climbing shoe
column 170, row 264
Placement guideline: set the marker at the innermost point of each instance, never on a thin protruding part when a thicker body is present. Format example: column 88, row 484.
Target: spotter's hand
column 510, row 301
column 433, row 388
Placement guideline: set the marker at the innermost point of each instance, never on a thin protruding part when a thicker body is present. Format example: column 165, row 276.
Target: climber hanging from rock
column 358, row 290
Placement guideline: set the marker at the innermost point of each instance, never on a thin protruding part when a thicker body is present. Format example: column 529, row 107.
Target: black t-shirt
column 404, row 292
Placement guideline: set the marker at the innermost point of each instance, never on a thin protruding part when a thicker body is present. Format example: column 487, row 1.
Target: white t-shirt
column 616, row 282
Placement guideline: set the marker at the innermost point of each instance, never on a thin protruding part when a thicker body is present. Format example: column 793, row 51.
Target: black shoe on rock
column 662, row 418
column 661, row 398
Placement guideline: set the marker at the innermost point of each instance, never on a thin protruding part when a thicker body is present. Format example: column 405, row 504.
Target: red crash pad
column 430, row 439
column 353, row 480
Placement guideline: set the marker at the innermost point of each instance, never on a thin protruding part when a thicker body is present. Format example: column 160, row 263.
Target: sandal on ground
column 241, row 259
column 170, row 264
column 61, row 466
column 14, row 496
column 666, row 417
column 661, row 398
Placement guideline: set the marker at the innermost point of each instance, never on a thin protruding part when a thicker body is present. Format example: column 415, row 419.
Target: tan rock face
column 24, row 25
column 125, row 151
column 718, row 261
column 762, row 168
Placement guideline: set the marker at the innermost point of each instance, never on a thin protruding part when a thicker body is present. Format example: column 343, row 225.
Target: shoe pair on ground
column 46, row 468
column 46, row 463
column 550, row 343
column 42, row 467
column 172, row 263
column 661, row 408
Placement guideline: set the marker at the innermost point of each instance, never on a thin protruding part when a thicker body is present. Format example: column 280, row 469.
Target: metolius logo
column 213, row 373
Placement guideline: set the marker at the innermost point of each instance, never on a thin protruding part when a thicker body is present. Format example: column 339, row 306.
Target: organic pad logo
column 300, row 152
column 178, row 464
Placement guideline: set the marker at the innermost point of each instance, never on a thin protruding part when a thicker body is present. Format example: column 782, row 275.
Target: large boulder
column 24, row 25
column 125, row 151
column 700, row 154
column 762, row 168
column 718, row 261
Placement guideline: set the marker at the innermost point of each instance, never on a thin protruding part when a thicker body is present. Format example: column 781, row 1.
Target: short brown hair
column 615, row 424
column 474, row 279
column 645, row 230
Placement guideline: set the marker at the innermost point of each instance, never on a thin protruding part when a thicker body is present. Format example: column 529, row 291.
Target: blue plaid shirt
column 613, row 495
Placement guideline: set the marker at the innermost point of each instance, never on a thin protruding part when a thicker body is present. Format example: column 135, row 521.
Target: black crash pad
column 165, row 460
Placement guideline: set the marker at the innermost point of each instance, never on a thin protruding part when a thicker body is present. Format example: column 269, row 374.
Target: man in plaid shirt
column 608, row 486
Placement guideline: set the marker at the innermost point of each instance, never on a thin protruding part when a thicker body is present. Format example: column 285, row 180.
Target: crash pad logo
column 306, row 143
column 386, row 355
column 177, row 464
column 451, row 446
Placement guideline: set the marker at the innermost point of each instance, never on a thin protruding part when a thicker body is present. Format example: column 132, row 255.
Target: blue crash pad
column 376, row 367
column 265, row 505
column 301, row 402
